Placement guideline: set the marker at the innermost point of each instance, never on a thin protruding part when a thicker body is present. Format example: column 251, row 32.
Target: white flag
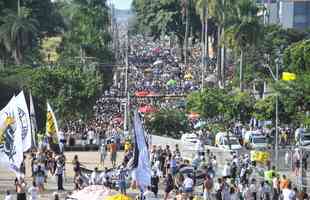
column 142, row 173
column 33, row 121
column 52, row 127
column 23, row 116
column 11, row 148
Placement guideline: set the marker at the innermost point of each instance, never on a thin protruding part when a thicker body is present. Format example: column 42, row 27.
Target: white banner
column 23, row 115
column 11, row 149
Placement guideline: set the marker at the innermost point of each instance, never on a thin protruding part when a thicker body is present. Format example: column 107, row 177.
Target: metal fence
column 292, row 161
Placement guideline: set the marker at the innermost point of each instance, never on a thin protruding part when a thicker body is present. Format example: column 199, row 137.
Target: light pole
column 126, row 85
column 276, row 78
column 277, row 116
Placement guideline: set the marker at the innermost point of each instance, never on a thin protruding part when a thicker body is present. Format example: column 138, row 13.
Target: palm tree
column 16, row 32
column 185, row 7
column 203, row 11
column 244, row 29
column 218, row 10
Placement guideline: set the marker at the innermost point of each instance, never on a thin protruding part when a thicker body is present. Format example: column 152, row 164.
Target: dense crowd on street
column 154, row 70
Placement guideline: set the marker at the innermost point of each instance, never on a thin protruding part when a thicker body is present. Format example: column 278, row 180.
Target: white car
column 189, row 138
column 254, row 140
column 221, row 140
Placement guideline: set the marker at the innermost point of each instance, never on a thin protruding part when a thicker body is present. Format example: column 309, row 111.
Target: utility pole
column 277, row 117
column 126, row 85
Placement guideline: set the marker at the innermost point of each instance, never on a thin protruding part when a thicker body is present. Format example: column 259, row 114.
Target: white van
column 221, row 140
column 189, row 138
column 255, row 140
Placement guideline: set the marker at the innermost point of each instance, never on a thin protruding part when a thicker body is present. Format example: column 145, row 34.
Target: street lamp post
column 277, row 117
column 126, row 85
column 276, row 78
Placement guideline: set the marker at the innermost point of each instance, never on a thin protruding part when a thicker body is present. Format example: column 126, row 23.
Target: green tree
column 46, row 13
column 16, row 33
column 242, row 106
column 217, row 105
column 87, row 34
column 244, row 30
column 297, row 57
column 168, row 122
column 211, row 103
column 71, row 91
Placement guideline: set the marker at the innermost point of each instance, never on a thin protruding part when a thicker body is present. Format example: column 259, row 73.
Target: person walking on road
column 33, row 192
column 103, row 153
column 154, row 183
column 169, row 185
column 113, row 153
column 60, row 171
column 20, row 188
column 207, row 188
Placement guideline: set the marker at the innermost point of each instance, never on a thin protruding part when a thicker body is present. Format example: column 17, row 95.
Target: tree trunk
column 203, row 49
column 223, row 65
column 218, row 56
column 241, row 70
column 206, row 31
column 186, row 31
column 203, row 26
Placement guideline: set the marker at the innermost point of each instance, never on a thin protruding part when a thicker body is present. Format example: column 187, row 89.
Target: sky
column 122, row 4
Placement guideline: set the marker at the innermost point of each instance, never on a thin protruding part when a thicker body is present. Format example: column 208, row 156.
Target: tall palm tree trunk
column 241, row 70
column 206, row 16
column 203, row 48
column 186, row 31
column 218, row 55
column 223, row 64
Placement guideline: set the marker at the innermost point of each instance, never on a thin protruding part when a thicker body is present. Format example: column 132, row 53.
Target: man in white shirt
column 91, row 135
column 94, row 178
column 33, row 192
column 61, row 141
column 288, row 193
column 8, row 196
column 148, row 194
column 200, row 149
column 188, row 185
column 226, row 170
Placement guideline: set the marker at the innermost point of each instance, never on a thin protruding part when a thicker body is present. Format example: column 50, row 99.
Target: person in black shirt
column 154, row 183
column 169, row 185
column 76, row 165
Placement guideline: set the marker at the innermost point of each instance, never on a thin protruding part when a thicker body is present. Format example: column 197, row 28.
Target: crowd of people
column 155, row 68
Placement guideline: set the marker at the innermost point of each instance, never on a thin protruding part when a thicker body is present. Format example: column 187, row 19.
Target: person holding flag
column 52, row 131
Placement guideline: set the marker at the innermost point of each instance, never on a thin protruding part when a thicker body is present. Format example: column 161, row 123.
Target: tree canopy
column 168, row 122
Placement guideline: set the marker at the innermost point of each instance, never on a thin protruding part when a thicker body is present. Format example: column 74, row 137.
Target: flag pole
column 32, row 120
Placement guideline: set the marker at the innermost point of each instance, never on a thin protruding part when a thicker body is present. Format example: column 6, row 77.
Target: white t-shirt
column 148, row 195
column 91, row 134
column 226, row 170
column 94, row 178
column 288, row 194
column 33, row 191
column 188, row 183
column 199, row 146
column 8, row 197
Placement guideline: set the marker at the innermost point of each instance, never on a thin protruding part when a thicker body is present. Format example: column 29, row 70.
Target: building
column 288, row 13
column 295, row 14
